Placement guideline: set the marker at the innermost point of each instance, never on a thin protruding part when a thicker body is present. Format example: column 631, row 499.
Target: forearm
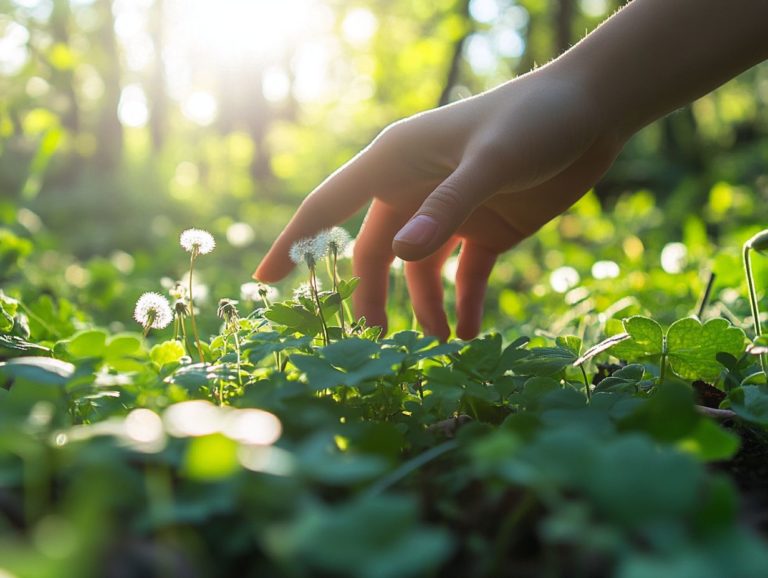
column 657, row 55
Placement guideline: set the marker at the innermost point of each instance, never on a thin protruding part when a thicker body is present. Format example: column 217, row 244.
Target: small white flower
column 338, row 239
column 197, row 241
column 309, row 250
column 179, row 291
column 153, row 310
column 253, row 291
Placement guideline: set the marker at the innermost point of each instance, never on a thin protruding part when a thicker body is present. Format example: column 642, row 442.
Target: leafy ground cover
column 297, row 441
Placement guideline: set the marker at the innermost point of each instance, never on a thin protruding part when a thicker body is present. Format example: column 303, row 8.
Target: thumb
column 444, row 211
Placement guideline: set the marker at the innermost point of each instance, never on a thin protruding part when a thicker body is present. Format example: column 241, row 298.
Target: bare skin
column 489, row 171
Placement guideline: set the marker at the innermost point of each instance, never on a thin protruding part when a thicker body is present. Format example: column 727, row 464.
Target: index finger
column 336, row 199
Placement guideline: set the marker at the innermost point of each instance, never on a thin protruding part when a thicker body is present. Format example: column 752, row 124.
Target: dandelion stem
column 313, row 287
column 184, row 335
column 335, row 257
column 753, row 303
column 192, row 307
column 150, row 320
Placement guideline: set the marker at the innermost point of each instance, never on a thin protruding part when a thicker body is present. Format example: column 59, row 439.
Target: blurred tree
column 110, row 130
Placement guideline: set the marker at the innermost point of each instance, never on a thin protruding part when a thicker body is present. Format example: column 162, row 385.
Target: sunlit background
column 123, row 122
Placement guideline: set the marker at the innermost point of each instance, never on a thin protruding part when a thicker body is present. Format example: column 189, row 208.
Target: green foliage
column 690, row 347
column 332, row 458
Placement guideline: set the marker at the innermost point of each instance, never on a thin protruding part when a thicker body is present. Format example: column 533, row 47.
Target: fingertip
column 467, row 329
column 417, row 239
column 267, row 273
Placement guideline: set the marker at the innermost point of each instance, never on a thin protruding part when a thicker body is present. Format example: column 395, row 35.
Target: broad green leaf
column 90, row 343
column 750, row 402
column 668, row 415
column 14, row 346
column 544, row 361
column 294, row 317
column 350, row 353
column 646, row 340
column 709, row 442
column 347, row 287
column 379, row 537
column 167, row 352
column 125, row 345
column 571, row 343
column 625, row 379
column 8, row 308
column 44, row 370
column 692, row 347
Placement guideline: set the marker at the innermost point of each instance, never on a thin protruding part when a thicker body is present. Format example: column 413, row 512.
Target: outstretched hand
column 483, row 173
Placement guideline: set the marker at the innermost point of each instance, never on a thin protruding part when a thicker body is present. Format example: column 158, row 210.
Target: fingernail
column 418, row 231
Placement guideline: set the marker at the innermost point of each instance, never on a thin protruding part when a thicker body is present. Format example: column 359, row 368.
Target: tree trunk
column 563, row 14
column 109, row 131
column 454, row 68
column 158, row 100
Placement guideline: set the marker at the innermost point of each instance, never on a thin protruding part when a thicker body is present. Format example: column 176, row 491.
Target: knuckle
column 392, row 136
column 445, row 200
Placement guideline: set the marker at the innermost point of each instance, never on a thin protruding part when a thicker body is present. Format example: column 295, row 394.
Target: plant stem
column 705, row 296
column 753, row 303
column 192, row 308
column 410, row 466
column 663, row 367
column 313, row 287
column 184, row 335
column 150, row 321
column 336, row 290
column 586, row 383
column 237, row 353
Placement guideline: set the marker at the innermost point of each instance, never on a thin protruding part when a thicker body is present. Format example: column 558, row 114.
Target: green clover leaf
column 692, row 347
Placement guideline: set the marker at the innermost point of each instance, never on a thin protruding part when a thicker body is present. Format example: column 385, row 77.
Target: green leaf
column 625, row 379
column 373, row 537
column 8, row 308
column 544, row 361
column 90, row 343
column 668, row 415
column 692, row 347
column 125, row 345
column 350, row 353
column 571, row 343
column 750, row 402
column 294, row 317
column 709, row 442
column 44, row 370
column 14, row 346
column 347, row 287
column 167, row 352
column 646, row 340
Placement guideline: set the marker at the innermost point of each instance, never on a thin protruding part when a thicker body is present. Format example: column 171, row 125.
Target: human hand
column 483, row 173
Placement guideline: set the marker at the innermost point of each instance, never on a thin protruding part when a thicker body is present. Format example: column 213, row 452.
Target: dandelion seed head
column 301, row 250
column 305, row 290
column 197, row 241
column 253, row 291
column 153, row 310
column 338, row 239
column 181, row 308
column 309, row 250
column 320, row 245
column 228, row 310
